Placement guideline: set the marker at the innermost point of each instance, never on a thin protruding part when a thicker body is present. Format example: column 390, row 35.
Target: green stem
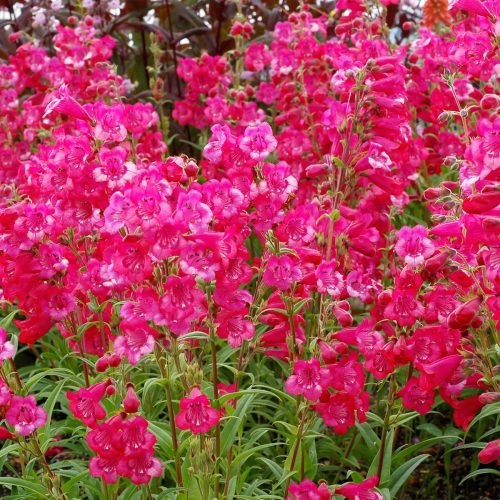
column 383, row 441
column 295, row 450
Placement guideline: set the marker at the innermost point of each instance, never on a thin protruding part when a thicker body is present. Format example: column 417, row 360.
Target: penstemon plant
column 281, row 280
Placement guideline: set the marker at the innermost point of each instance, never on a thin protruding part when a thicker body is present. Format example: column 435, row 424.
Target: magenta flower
column 140, row 468
column 413, row 245
column 136, row 342
column 416, row 396
column 196, row 413
column 258, row 141
column 329, row 280
column 105, row 468
column 356, row 491
column 25, row 416
column 84, row 404
column 308, row 379
column 307, row 490
column 7, row 349
column 5, row 395
column 281, row 272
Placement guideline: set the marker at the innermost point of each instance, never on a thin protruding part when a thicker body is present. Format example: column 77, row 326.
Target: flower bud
column 431, row 194
column 490, row 101
column 489, row 397
column 463, row 315
column 102, row 364
column 114, row 360
column 481, row 202
column 343, row 317
column 131, row 402
column 110, row 390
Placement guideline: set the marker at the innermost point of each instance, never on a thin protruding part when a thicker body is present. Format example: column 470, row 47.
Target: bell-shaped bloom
column 258, row 141
column 196, row 413
column 106, row 439
column 337, row 411
column 234, row 327
column 413, row 245
column 329, row 280
column 490, row 453
column 363, row 490
column 105, row 468
column 63, row 102
column 281, row 272
column 416, row 396
column 307, row 490
column 137, row 341
column 7, row 349
column 84, row 404
column 308, row 379
column 140, row 468
column 25, row 416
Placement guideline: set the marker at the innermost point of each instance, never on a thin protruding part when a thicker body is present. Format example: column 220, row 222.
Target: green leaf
column 487, row 411
column 477, row 472
column 231, row 427
column 403, row 472
column 29, row 485
column 403, row 453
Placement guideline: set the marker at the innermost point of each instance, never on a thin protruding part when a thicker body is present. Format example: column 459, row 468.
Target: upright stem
column 217, row 428
column 171, row 417
column 383, row 441
column 295, row 450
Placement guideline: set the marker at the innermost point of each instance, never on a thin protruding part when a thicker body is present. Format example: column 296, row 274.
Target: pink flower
column 63, row 102
column 363, row 490
column 308, row 379
column 490, row 453
column 113, row 168
column 416, row 397
column 337, row 411
column 329, row 280
column 140, row 468
column 84, row 404
column 7, row 349
column 258, row 141
column 105, row 468
column 5, row 395
column 234, row 327
column 110, row 122
column 413, row 245
column 196, row 413
column 307, row 490
column 404, row 308
column 281, row 271
column 137, row 341
column 25, row 416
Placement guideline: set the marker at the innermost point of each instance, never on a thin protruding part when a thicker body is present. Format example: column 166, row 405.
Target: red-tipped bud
column 131, row 402
column 407, row 25
column 463, row 315
column 385, row 297
column 102, row 364
column 110, row 390
column 489, row 397
column 436, row 262
column 343, row 304
column 5, row 433
column 343, row 317
column 481, row 202
column 490, row 101
column 114, row 360
column 431, row 194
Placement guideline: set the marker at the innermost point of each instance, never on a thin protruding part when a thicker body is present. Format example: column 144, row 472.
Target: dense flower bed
column 274, row 319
